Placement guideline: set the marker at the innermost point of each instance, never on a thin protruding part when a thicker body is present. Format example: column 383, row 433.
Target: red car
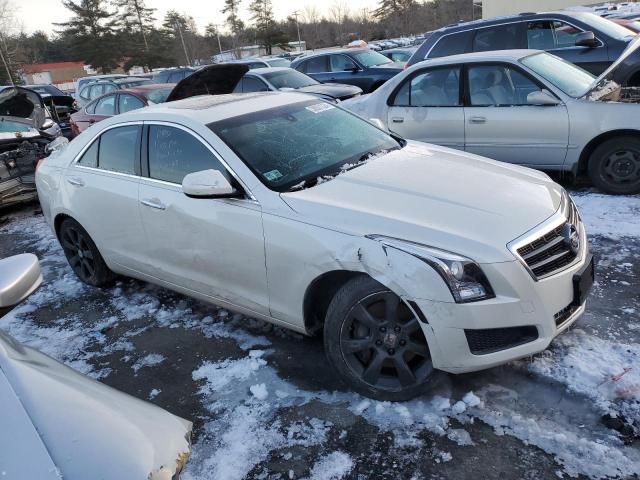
column 119, row 101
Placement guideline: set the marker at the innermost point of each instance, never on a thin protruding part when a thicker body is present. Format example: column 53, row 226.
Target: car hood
column 334, row 90
column 619, row 71
column 58, row 423
column 22, row 105
column 435, row 196
column 211, row 80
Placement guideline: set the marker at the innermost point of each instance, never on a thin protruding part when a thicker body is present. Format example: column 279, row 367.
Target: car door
column 343, row 69
column 559, row 38
column 426, row 106
column 211, row 246
column 317, row 68
column 500, row 124
column 102, row 186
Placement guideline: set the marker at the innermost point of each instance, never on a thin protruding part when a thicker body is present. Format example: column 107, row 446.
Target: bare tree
column 7, row 48
column 339, row 12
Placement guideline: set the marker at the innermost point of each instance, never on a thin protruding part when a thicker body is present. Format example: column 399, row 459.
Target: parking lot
column 266, row 404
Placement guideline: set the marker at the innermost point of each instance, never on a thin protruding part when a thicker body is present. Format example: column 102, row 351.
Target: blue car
column 582, row 38
column 361, row 67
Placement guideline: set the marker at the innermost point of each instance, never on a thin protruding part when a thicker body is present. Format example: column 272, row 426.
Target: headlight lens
column 464, row 277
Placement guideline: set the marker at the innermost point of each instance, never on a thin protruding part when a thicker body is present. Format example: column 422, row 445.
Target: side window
column 565, row 34
column 126, row 103
column 501, row 37
column 96, row 90
column 498, row 85
column 540, row 35
column 106, row 106
column 252, row 84
column 174, row 153
column 341, row 63
column 91, row 108
column 109, row 87
column 119, row 149
column 90, row 156
column 453, row 44
column 316, row 65
column 85, row 93
column 174, row 77
column 432, row 88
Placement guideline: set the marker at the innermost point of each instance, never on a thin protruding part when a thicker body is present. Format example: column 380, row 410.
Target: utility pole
column 184, row 47
column 4, row 61
column 296, row 13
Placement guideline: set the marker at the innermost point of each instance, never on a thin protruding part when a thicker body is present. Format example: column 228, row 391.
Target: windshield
column 609, row 28
column 287, row 145
column 279, row 62
column 158, row 96
column 289, row 79
column 371, row 58
column 572, row 80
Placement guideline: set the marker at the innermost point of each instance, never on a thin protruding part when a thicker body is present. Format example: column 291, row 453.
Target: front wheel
column 614, row 167
column 375, row 342
column 83, row 255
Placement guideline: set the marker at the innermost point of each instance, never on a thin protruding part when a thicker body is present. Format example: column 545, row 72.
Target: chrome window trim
column 562, row 215
column 426, row 57
column 208, row 147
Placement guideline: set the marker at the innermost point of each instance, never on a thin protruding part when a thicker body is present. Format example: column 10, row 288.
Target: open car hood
column 211, row 80
column 619, row 72
column 22, row 105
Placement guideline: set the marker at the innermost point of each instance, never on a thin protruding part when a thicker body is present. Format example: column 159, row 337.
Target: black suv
column 361, row 67
column 582, row 38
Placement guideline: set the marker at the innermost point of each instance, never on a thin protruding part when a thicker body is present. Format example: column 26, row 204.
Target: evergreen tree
column 234, row 23
column 391, row 8
column 267, row 30
column 92, row 30
column 135, row 12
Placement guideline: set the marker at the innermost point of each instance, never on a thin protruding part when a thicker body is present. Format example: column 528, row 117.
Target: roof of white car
column 206, row 109
column 497, row 55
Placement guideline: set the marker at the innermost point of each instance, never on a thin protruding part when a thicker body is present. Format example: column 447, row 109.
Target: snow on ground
column 244, row 397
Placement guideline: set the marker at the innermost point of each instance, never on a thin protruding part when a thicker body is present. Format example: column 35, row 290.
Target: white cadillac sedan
column 410, row 258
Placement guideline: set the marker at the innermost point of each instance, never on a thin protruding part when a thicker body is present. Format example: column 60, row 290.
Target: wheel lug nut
column 378, row 342
column 403, row 342
column 397, row 329
column 383, row 329
column 391, row 351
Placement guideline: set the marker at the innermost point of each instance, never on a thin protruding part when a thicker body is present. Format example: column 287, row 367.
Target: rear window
column 158, row 96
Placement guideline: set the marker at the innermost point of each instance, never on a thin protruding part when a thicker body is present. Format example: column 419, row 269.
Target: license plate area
column 582, row 282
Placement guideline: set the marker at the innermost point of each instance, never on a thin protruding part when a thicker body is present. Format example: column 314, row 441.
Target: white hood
column 435, row 196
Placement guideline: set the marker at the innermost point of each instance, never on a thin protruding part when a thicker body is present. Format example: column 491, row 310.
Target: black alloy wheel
column 614, row 166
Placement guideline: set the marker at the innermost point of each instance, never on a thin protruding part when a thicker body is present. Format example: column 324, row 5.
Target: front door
column 500, row 124
column 427, row 108
column 211, row 246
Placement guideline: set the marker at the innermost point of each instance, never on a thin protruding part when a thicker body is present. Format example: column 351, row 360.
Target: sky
column 32, row 16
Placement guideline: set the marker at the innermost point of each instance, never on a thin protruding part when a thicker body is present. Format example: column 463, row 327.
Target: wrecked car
column 521, row 106
column 23, row 141
column 409, row 258
column 57, row 423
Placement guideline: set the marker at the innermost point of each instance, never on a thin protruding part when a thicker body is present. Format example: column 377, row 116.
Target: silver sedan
column 518, row 106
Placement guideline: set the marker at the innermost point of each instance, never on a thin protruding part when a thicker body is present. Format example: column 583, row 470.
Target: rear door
column 96, row 111
column 427, row 107
column 500, row 124
column 317, row 67
column 103, row 187
column 211, row 246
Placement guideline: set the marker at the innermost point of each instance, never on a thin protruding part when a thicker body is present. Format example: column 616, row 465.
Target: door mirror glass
column 542, row 97
column 19, row 276
column 586, row 39
column 207, row 184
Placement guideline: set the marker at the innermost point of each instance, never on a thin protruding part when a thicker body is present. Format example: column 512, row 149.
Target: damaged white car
column 410, row 258
column 56, row 423
column 25, row 136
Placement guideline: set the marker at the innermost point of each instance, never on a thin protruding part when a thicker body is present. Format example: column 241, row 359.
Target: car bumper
column 522, row 320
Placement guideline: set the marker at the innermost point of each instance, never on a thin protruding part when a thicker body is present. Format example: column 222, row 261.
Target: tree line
column 107, row 34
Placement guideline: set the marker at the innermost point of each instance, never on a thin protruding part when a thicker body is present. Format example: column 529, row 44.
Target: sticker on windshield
column 272, row 175
column 320, row 107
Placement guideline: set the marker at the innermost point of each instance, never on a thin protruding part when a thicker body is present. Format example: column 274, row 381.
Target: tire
column 83, row 255
column 614, row 166
column 376, row 344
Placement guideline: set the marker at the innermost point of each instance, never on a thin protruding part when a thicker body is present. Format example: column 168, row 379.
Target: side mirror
column 19, row 276
column 586, row 39
column 207, row 184
column 542, row 97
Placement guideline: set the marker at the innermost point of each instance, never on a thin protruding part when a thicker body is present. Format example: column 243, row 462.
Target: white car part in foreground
column 56, row 423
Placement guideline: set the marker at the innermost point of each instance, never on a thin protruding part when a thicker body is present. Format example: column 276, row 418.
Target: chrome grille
column 550, row 252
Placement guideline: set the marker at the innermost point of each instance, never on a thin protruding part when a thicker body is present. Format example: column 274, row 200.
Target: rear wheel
column 614, row 166
column 83, row 255
column 376, row 343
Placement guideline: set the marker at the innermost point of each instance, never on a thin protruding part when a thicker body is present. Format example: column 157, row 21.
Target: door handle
column 397, row 119
column 154, row 204
column 75, row 182
column 478, row 120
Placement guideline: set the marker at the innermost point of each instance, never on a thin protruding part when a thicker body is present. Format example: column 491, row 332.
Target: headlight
column 464, row 277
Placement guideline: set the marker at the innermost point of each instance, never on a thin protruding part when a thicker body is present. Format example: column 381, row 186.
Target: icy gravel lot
column 266, row 406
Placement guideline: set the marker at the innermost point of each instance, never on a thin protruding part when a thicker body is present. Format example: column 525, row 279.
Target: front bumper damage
column 17, row 169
